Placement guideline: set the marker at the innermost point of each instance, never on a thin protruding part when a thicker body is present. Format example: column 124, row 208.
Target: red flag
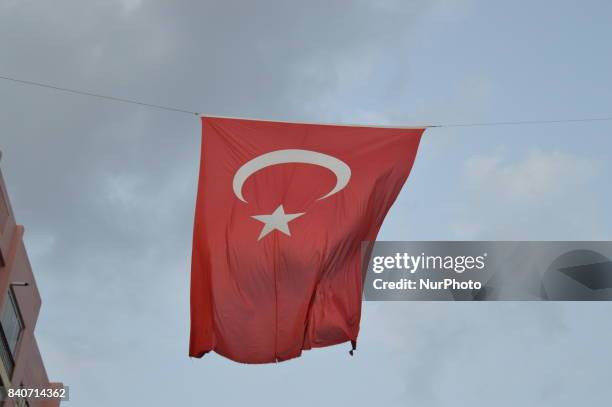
column 281, row 212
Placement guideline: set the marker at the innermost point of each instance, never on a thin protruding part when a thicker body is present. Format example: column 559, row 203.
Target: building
column 21, row 365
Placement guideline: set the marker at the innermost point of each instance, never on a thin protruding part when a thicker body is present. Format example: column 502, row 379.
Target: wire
column 96, row 95
column 177, row 110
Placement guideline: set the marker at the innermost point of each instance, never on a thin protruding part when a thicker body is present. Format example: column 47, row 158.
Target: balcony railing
column 5, row 354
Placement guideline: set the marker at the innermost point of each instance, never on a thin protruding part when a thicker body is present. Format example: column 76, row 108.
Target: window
column 11, row 326
column 22, row 401
column 11, row 321
column 4, row 213
column 3, row 393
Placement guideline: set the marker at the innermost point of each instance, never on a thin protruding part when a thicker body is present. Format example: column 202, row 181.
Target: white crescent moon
column 339, row 168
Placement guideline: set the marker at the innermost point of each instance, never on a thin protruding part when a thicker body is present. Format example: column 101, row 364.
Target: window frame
column 15, row 304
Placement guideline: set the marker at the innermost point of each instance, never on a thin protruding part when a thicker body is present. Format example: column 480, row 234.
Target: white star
column 278, row 220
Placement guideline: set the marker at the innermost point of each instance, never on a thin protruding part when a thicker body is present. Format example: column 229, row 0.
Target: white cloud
column 548, row 195
column 129, row 6
column 538, row 177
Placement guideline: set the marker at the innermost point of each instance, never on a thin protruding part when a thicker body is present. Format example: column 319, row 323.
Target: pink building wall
column 29, row 370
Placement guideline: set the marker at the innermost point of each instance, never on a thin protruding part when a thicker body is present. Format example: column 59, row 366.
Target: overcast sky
column 106, row 191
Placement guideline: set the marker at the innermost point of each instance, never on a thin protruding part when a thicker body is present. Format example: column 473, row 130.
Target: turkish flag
column 281, row 212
